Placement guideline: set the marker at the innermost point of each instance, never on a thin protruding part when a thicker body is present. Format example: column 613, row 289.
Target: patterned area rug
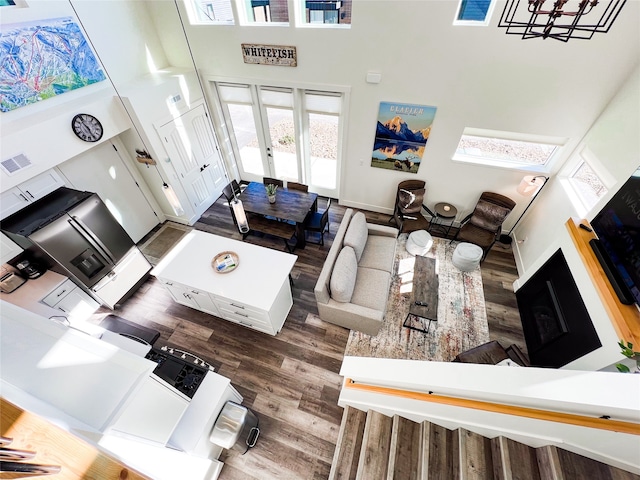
column 163, row 240
column 462, row 317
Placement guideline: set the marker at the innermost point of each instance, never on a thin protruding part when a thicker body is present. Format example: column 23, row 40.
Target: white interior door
column 190, row 143
column 101, row 170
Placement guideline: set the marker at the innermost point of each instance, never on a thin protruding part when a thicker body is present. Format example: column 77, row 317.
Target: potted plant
column 627, row 351
column 271, row 192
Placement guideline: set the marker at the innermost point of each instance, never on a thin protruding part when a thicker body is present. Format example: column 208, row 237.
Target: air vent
column 14, row 164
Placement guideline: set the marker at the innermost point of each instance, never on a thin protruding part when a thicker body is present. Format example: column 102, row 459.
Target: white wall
column 476, row 76
column 614, row 140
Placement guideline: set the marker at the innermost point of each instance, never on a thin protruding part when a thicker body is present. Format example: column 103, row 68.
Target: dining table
column 290, row 205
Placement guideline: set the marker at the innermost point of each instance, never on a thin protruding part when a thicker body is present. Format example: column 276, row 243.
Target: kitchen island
column 256, row 293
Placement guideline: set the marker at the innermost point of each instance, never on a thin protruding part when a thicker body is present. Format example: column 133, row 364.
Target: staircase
column 374, row 446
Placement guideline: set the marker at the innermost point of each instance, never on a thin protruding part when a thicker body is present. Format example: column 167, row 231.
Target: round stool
column 419, row 242
column 466, row 256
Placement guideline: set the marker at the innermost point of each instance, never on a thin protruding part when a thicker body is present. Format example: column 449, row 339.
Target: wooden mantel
column 625, row 318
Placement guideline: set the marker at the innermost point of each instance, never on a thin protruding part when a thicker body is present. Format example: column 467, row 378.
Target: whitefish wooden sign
column 284, row 56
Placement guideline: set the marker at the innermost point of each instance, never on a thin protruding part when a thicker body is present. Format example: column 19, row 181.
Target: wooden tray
column 225, row 262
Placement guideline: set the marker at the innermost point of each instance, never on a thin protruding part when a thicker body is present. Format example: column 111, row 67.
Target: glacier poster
column 42, row 59
column 402, row 132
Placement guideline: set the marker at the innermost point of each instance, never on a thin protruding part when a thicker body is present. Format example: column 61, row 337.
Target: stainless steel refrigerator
column 76, row 235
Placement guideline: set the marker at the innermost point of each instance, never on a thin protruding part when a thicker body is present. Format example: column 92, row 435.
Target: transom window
column 474, row 12
column 329, row 13
column 209, row 12
column 506, row 149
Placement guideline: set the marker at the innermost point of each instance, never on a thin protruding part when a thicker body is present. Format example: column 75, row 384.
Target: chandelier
column 559, row 19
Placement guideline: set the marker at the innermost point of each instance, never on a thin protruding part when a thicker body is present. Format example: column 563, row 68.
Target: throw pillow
column 343, row 277
column 489, row 216
column 410, row 201
column 357, row 234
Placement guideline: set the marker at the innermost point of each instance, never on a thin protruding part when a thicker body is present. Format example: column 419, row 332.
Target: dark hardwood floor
column 291, row 380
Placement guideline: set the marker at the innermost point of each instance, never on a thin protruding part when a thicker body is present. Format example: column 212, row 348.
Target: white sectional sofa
column 353, row 286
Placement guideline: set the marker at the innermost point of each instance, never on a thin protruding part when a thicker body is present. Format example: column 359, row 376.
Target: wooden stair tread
column 441, row 451
column 577, row 466
column 475, row 455
column 347, row 453
column 374, row 455
column 404, row 457
column 513, row 460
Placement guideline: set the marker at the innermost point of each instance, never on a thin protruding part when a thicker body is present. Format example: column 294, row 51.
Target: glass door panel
column 282, row 135
column 323, row 143
column 246, row 137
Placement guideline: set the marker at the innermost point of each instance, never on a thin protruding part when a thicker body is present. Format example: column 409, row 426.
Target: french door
column 286, row 133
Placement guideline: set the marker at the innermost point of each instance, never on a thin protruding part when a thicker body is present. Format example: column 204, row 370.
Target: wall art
column 402, row 132
column 282, row 55
column 42, row 59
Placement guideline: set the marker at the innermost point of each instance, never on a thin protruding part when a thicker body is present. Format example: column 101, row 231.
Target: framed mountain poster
column 402, row 132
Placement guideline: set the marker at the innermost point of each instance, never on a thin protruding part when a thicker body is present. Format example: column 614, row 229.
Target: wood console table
column 425, row 292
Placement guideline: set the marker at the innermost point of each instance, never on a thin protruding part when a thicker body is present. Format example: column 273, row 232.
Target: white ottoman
column 419, row 242
column 466, row 256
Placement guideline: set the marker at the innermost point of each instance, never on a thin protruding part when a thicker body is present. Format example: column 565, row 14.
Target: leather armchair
column 483, row 226
column 407, row 212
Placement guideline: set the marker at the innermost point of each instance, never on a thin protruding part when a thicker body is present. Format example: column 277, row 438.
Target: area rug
column 462, row 317
column 162, row 241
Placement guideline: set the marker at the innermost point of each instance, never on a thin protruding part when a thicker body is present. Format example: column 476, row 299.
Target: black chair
column 272, row 181
column 407, row 211
column 231, row 191
column 317, row 222
column 297, row 186
column 483, row 226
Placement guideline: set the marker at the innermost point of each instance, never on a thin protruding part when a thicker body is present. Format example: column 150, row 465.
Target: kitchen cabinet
column 8, row 249
column 256, row 295
column 191, row 297
column 27, row 192
column 70, row 299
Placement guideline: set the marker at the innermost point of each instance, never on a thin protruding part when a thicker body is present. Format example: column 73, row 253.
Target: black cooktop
column 181, row 374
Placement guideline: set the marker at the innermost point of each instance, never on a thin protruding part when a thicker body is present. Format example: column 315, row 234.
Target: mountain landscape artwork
column 402, row 132
column 42, row 59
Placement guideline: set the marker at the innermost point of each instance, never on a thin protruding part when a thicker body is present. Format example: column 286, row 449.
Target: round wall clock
column 87, row 127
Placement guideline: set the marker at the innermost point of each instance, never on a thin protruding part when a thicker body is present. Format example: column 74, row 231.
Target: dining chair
column 272, row 181
column 297, row 186
column 317, row 222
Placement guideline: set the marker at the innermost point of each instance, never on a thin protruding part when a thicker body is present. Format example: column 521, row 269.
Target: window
column 7, row 3
column 474, row 12
column 587, row 181
column 506, row 149
column 209, row 11
column 267, row 11
column 326, row 12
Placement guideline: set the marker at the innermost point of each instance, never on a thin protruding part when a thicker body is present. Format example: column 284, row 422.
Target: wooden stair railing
column 602, row 423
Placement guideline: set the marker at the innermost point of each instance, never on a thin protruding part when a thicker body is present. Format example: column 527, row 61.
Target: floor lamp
column 530, row 186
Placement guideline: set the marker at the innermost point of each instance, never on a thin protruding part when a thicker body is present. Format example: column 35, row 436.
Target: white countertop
column 257, row 279
column 29, row 294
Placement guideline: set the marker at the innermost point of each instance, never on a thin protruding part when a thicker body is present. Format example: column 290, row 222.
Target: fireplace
column 556, row 324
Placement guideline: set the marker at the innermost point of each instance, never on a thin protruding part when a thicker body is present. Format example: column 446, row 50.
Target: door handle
column 30, row 194
column 24, row 198
column 204, row 166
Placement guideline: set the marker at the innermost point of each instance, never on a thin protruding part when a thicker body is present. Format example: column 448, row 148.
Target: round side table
column 445, row 216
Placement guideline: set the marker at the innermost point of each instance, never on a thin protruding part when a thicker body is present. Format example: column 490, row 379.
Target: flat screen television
column 617, row 226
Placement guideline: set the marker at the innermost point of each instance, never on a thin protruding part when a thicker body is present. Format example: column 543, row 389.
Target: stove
column 184, row 371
